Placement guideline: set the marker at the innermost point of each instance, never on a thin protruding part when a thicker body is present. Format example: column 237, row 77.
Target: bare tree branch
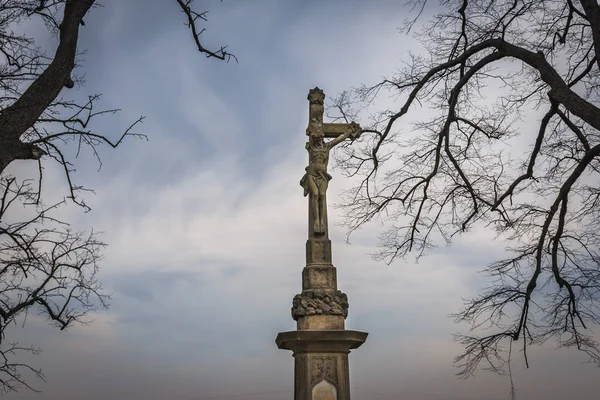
column 45, row 266
column 488, row 67
column 192, row 19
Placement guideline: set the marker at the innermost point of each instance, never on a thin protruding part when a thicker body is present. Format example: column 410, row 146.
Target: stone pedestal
column 321, row 362
column 320, row 345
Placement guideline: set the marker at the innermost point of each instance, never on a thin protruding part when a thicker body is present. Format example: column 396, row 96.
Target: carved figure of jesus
column 316, row 179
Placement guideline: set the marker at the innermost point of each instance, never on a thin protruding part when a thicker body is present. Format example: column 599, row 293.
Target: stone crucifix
column 316, row 178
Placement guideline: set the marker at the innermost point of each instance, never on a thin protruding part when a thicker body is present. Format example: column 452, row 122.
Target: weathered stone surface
column 321, row 322
column 321, row 355
column 301, row 372
column 319, row 277
column 320, row 302
column 341, row 341
column 318, row 251
column 323, row 367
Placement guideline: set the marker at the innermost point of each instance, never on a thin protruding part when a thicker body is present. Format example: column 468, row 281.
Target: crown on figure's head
column 316, row 95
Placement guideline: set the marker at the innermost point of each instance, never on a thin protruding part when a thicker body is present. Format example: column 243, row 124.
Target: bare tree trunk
column 19, row 117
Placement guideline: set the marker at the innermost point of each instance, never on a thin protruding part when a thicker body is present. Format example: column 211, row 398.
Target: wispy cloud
column 206, row 222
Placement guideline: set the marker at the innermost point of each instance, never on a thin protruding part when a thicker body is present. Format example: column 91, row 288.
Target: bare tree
column 43, row 264
column 34, row 120
column 489, row 71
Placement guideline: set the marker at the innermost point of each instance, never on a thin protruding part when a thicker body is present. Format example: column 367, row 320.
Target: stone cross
column 316, row 178
column 320, row 343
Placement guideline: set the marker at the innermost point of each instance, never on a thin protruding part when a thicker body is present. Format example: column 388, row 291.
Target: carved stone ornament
column 323, row 367
column 319, row 303
column 316, row 96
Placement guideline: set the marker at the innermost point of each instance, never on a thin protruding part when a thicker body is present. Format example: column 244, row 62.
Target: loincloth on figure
column 318, row 177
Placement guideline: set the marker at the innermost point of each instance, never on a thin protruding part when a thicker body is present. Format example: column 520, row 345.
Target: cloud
column 206, row 222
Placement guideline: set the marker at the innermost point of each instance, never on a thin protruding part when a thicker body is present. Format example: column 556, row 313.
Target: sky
column 206, row 222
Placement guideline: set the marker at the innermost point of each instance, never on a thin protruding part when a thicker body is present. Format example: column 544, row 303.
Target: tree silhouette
column 44, row 265
column 489, row 69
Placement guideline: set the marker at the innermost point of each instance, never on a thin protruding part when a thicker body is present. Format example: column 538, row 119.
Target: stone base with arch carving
column 324, row 391
column 321, row 356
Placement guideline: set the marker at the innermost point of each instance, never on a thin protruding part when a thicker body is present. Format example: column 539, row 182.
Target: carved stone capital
column 319, row 302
